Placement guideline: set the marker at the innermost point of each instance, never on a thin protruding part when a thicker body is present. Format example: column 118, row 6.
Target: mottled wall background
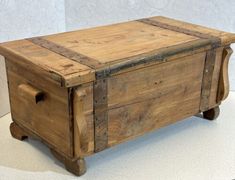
column 213, row 13
column 26, row 18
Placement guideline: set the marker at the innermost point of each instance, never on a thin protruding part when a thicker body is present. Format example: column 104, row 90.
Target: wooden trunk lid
column 77, row 57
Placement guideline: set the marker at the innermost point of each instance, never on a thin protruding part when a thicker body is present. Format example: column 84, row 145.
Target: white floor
column 191, row 149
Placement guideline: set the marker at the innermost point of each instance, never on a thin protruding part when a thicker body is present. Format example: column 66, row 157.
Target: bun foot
column 75, row 166
column 211, row 114
column 17, row 132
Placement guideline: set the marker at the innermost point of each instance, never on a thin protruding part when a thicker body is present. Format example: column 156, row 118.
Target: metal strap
column 207, row 79
column 216, row 42
column 157, row 55
column 100, row 114
column 68, row 53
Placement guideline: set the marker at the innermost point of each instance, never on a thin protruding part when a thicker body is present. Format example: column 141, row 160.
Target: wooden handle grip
column 30, row 93
column 223, row 88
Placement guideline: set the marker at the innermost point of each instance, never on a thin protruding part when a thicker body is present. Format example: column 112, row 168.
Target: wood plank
column 147, row 83
column 160, row 55
column 110, row 43
column 226, row 38
column 143, row 100
column 179, row 101
column 216, row 41
column 153, row 62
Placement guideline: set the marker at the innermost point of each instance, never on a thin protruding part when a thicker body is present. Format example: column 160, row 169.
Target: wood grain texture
column 49, row 119
column 150, row 82
column 83, row 120
column 226, row 38
column 54, row 67
column 100, row 91
column 207, row 79
column 215, row 78
column 223, row 87
column 215, row 41
column 80, row 126
column 113, row 42
column 154, row 97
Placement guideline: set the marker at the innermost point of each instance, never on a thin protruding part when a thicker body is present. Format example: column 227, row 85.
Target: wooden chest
column 84, row 91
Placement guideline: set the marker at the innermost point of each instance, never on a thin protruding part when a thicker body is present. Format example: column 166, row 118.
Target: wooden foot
column 211, row 114
column 17, row 132
column 77, row 167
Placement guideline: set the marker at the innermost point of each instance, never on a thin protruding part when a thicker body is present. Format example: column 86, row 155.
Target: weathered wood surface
column 84, row 91
column 80, row 124
column 49, row 119
column 75, row 166
column 226, row 38
column 83, row 120
column 66, row 52
column 216, row 41
column 140, row 86
column 223, row 86
column 110, row 43
column 52, row 66
column 147, row 83
column 207, row 79
column 211, row 114
column 215, row 79
column 147, row 99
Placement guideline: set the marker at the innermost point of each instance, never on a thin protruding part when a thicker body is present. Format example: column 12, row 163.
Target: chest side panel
column 48, row 115
column 153, row 97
